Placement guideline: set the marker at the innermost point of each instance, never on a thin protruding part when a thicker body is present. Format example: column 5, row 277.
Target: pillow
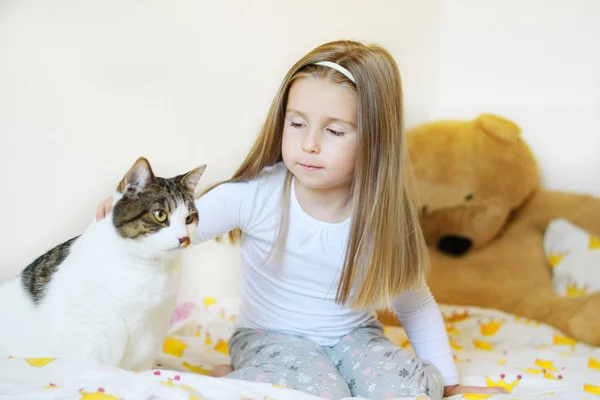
column 574, row 256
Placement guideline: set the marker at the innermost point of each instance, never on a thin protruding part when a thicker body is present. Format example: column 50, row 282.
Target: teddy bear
column 483, row 214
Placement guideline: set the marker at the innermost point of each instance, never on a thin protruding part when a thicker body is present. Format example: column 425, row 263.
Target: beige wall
column 87, row 87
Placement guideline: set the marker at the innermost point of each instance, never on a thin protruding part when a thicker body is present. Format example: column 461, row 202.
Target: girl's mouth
column 310, row 167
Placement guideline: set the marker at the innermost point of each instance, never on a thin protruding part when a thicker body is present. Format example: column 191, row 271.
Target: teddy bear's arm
column 512, row 276
column 580, row 209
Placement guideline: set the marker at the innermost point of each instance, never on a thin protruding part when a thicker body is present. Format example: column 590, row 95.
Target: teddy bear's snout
column 454, row 245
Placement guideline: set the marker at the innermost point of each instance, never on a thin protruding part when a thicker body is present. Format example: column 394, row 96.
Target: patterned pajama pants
column 364, row 363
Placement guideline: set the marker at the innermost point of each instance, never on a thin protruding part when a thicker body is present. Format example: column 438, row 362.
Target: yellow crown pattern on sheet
column 594, row 364
column 548, row 375
column 591, row 389
column 555, row 258
column 490, row 328
column 39, row 362
column 171, row 382
column 559, row 340
column 573, row 290
column 542, row 371
column 456, row 316
column 455, row 346
column 196, row 368
column 451, row 330
column 526, row 321
column 460, row 360
column 222, row 347
column 476, row 396
column 534, row 371
column 276, row 386
column 545, row 364
column 97, row 395
column 397, row 336
column 594, row 243
column 508, row 386
column 481, row 345
column 209, row 301
column 174, row 347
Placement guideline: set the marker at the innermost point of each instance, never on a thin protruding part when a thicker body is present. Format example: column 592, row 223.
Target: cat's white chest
column 119, row 307
column 147, row 321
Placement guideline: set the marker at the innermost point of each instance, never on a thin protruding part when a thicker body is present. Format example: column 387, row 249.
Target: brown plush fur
column 484, row 214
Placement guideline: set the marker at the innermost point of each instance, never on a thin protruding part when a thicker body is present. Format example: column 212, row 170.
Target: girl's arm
column 422, row 320
column 223, row 209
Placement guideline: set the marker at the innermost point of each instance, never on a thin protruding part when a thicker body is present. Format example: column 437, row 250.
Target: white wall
column 536, row 62
column 87, row 87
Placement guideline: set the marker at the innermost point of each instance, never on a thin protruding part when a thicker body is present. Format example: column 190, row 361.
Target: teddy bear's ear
column 498, row 127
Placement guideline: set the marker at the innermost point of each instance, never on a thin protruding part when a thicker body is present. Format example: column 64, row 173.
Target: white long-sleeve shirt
column 295, row 293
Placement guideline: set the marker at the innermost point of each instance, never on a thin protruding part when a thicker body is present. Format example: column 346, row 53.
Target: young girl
column 324, row 210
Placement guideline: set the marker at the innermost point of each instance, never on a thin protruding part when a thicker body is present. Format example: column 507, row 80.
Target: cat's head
column 158, row 212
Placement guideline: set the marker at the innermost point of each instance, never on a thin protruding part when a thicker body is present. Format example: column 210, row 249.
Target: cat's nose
column 184, row 241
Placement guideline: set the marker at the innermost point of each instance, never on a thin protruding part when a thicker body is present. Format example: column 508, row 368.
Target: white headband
column 338, row 68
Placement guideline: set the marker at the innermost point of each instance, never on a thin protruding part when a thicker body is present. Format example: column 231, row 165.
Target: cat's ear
column 192, row 178
column 137, row 177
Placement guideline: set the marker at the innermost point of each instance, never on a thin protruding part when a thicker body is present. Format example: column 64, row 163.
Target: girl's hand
column 458, row 389
column 104, row 209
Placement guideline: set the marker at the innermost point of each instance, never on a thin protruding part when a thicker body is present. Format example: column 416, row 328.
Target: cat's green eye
column 159, row 215
column 190, row 218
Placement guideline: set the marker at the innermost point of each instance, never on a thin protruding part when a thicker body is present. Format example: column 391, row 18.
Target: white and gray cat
column 107, row 295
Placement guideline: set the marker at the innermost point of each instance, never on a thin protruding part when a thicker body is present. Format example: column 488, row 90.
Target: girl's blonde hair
column 386, row 252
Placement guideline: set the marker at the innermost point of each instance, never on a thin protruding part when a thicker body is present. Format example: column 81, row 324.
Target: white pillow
column 574, row 256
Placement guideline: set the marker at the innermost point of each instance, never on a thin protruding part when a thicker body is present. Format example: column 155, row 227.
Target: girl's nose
column 312, row 142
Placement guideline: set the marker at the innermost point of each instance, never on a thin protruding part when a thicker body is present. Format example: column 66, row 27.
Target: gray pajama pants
column 364, row 363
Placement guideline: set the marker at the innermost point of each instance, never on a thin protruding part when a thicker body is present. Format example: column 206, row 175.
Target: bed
column 531, row 360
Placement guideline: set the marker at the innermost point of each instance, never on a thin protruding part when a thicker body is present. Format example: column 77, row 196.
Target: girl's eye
column 336, row 133
column 295, row 124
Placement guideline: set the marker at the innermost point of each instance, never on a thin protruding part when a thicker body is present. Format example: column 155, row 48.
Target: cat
column 107, row 295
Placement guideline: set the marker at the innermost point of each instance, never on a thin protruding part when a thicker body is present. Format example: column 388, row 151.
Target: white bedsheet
column 491, row 348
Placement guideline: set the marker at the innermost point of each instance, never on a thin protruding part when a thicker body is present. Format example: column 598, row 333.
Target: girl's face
column 320, row 135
